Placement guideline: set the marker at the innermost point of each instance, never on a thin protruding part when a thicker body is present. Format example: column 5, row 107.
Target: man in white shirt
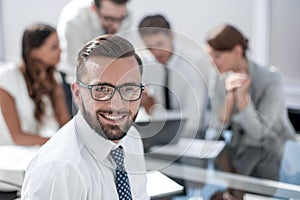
column 82, row 20
column 187, row 70
column 77, row 162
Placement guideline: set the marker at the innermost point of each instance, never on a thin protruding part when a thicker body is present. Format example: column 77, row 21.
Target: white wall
column 285, row 46
column 190, row 17
column 272, row 26
column 194, row 17
column 17, row 14
column 285, row 38
column 1, row 34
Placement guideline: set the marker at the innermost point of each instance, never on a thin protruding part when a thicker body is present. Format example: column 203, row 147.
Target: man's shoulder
column 76, row 12
column 194, row 57
column 191, row 63
column 50, row 172
column 77, row 5
column 63, row 147
column 192, row 52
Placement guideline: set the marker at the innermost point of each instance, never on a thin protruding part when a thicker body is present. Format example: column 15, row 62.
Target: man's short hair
column 120, row 2
column 153, row 24
column 109, row 45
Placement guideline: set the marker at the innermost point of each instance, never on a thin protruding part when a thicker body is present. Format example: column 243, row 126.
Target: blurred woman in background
column 252, row 103
column 32, row 101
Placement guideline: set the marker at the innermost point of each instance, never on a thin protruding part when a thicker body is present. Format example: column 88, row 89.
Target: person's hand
column 242, row 94
column 234, row 81
column 239, row 83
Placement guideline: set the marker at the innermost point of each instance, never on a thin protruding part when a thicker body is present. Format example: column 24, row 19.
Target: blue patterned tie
column 122, row 181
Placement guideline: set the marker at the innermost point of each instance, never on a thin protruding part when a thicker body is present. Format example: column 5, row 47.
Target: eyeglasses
column 104, row 92
column 112, row 20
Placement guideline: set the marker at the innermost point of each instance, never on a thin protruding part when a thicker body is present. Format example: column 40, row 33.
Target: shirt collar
column 172, row 59
column 100, row 147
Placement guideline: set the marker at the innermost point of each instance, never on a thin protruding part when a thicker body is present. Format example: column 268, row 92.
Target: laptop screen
column 160, row 131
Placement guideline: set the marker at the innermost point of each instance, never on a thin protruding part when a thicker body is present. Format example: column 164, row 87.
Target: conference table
column 192, row 160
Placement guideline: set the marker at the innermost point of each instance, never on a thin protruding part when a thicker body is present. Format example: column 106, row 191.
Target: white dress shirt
column 76, row 164
column 189, row 77
column 78, row 23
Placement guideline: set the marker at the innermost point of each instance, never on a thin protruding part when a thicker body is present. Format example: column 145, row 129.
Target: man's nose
column 155, row 51
column 117, row 101
column 115, row 26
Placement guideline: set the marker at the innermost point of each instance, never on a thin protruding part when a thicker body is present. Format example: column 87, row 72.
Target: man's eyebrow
column 130, row 83
column 109, row 84
column 103, row 83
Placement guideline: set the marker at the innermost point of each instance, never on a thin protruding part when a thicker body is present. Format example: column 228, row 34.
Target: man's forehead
column 102, row 62
column 104, row 68
column 96, row 62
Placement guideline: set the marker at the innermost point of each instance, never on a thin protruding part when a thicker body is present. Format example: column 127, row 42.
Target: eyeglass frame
column 112, row 20
column 115, row 88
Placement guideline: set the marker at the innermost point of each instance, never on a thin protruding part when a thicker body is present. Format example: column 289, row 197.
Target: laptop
column 159, row 131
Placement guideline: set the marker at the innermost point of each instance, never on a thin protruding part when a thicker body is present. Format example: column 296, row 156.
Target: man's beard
column 109, row 30
column 111, row 132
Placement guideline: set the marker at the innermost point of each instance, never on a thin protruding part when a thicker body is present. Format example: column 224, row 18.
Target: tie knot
column 118, row 156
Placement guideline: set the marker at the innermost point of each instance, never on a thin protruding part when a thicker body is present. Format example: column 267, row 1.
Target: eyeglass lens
column 127, row 92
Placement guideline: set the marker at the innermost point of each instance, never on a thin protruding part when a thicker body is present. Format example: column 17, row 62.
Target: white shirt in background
column 189, row 78
column 78, row 23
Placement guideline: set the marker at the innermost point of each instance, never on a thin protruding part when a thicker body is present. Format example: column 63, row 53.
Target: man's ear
column 94, row 8
column 76, row 92
column 171, row 35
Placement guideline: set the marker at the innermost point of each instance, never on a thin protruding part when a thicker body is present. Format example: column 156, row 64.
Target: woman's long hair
column 38, row 85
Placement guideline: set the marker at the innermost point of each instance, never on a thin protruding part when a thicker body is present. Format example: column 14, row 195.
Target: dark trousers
column 72, row 107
